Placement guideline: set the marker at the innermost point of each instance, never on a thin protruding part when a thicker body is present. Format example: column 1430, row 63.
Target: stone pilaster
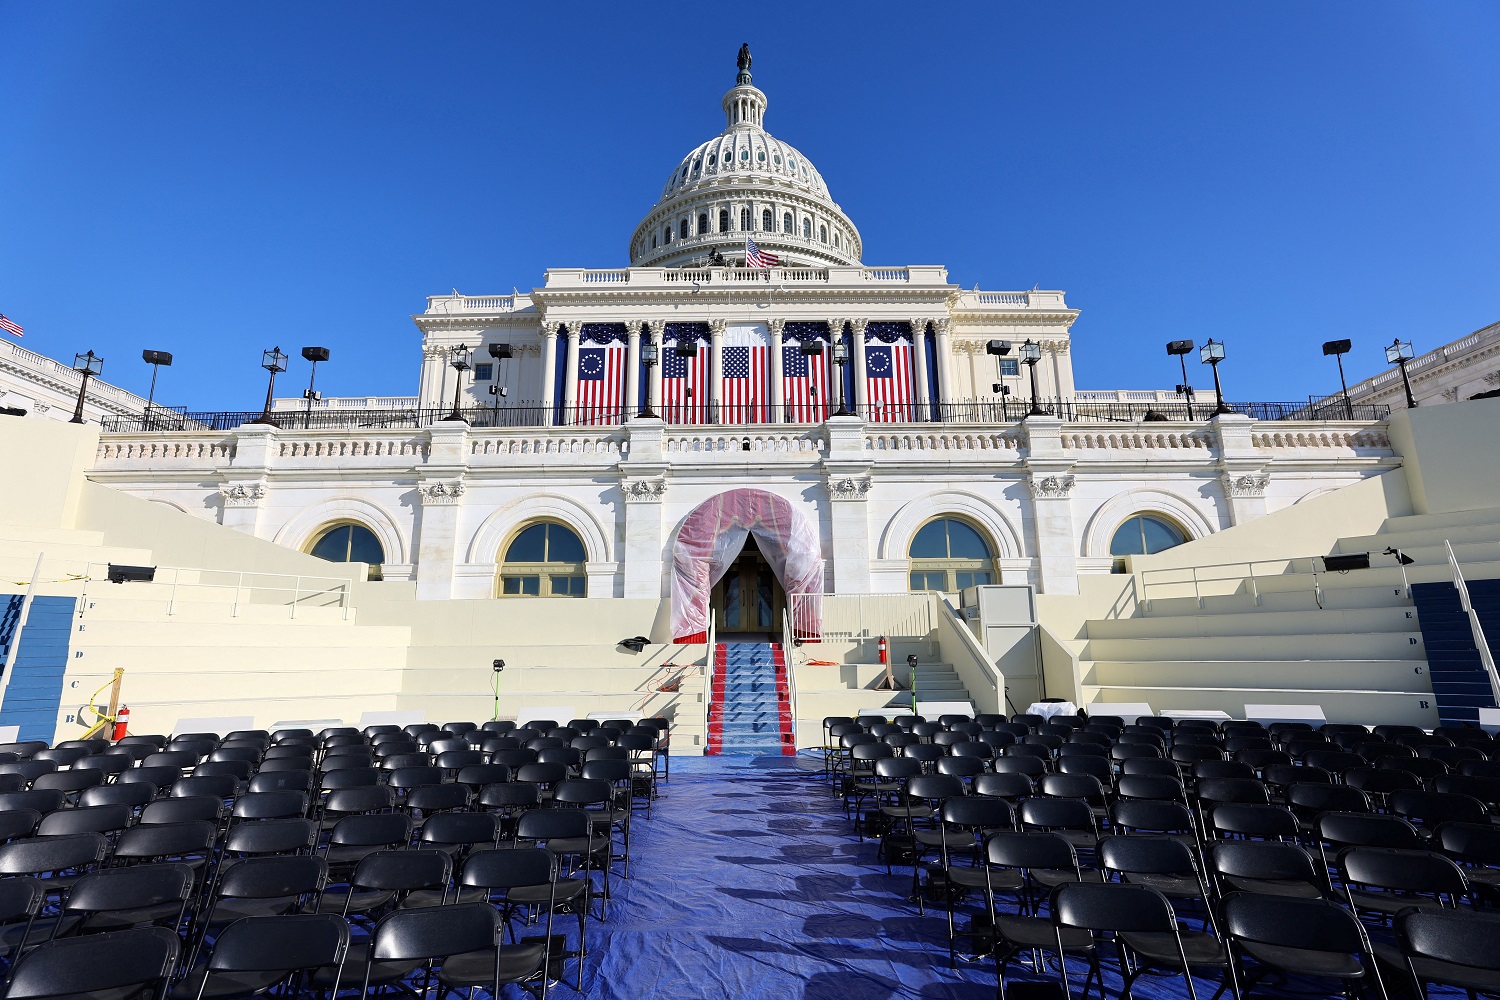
column 643, row 486
column 440, row 492
column 1049, row 477
column 1242, row 472
column 847, row 471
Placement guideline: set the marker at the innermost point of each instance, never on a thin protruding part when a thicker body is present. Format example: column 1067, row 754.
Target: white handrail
column 15, row 639
column 708, row 674
column 1480, row 643
column 303, row 588
column 1243, row 571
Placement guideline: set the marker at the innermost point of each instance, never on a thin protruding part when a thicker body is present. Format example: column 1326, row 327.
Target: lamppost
column 87, row 365
column 1182, row 348
column 841, row 358
column 999, row 349
column 500, row 352
column 272, row 361
column 650, row 355
column 459, row 362
column 157, row 360
column 1031, row 353
column 1399, row 353
column 1339, row 348
column 313, row 354
column 1211, row 354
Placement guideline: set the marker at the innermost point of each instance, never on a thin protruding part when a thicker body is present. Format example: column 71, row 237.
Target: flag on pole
column 888, row 382
column 805, row 384
column 684, row 384
column 756, row 257
column 601, row 384
column 744, row 385
column 10, row 325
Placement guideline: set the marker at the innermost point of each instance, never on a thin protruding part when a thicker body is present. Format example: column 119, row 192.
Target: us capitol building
column 877, row 428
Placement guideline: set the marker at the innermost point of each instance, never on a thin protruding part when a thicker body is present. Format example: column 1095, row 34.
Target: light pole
column 1182, row 348
column 459, row 362
column 500, row 352
column 1211, row 354
column 1399, row 353
column 999, row 349
column 88, row 365
column 1339, row 348
column 157, row 360
column 1031, row 353
column 272, row 361
column 650, row 355
column 841, row 358
column 313, row 354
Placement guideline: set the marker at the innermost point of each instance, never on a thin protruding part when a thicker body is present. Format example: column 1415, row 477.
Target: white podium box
column 1197, row 714
column 221, row 724
column 405, row 717
column 1127, row 710
column 605, row 716
column 936, row 709
column 1268, row 714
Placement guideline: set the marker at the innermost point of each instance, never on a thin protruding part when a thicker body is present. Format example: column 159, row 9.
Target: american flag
column 744, row 385
column 756, row 257
column 10, row 326
column 805, row 385
column 684, row 386
column 888, row 382
column 601, row 384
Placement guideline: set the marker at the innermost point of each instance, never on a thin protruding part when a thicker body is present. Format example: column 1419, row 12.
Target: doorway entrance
column 749, row 599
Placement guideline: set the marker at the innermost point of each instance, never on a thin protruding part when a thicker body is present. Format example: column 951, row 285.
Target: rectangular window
column 567, row 586
column 1010, row 366
column 484, row 372
column 928, row 581
column 524, row 586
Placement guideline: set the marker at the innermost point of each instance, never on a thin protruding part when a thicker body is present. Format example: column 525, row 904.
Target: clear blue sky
column 213, row 179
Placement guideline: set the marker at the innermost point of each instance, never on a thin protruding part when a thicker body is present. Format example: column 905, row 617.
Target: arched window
column 543, row 560
column 823, row 233
column 702, row 223
column 723, row 220
column 666, row 236
column 786, row 223
column 948, row 555
column 1144, row 534
column 745, row 219
column 807, row 229
column 653, row 241
column 766, row 222
column 349, row 542
column 682, row 229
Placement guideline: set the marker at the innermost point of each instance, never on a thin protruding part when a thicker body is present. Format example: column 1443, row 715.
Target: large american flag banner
column 746, row 394
column 601, row 384
column 805, row 385
column 684, row 383
column 889, row 389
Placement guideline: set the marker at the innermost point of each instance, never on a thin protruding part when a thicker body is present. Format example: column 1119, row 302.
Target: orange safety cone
column 122, row 720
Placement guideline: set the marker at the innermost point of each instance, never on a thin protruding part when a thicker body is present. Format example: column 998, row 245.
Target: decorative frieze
column 1492, row 379
column 644, row 490
column 1050, row 487
column 441, row 493
column 849, row 488
column 1245, row 484
column 243, row 494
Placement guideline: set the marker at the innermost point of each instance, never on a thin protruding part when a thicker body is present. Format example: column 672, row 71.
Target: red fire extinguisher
column 122, row 720
column 884, row 651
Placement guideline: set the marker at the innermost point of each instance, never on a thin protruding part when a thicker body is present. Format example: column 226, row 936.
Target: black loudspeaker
column 131, row 574
column 1344, row 563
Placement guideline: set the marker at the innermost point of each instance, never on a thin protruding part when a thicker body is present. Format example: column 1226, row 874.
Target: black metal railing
column 536, row 415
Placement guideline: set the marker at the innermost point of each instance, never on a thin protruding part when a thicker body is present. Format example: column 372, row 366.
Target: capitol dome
column 743, row 183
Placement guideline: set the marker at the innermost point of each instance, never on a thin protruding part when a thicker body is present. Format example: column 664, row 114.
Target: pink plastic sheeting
column 712, row 537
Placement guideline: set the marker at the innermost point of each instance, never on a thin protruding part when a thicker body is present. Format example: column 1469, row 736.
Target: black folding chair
column 523, row 882
column 255, row 955
column 1452, row 948
column 1300, row 937
column 1142, row 925
column 121, row 963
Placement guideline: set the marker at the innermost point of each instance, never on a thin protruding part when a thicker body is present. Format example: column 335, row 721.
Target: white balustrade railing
column 833, row 617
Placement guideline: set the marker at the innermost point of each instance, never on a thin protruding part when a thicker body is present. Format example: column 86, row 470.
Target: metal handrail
column 303, row 589
column 1245, row 571
column 1485, row 657
column 708, row 673
column 791, row 675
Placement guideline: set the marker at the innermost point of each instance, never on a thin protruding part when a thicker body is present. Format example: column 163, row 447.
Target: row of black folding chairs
column 271, row 925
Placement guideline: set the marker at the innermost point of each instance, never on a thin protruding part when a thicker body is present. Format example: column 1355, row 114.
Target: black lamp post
column 1339, row 348
column 650, row 355
column 501, row 353
column 1399, row 353
column 841, row 358
column 1211, row 354
column 999, row 349
column 1182, row 348
column 88, row 365
column 313, row 354
column 272, row 361
column 459, row 362
column 157, row 360
column 1031, row 353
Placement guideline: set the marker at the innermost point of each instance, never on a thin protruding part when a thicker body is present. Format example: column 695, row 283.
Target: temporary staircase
column 1354, row 643
column 750, row 711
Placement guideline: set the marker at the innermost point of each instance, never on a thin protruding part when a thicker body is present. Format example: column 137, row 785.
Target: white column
column 716, row 369
column 944, row 360
column 861, row 369
column 440, row 492
column 632, row 369
column 848, row 481
column 1050, row 479
column 654, row 330
column 570, row 388
column 778, row 389
column 1242, row 472
column 919, row 357
column 549, row 373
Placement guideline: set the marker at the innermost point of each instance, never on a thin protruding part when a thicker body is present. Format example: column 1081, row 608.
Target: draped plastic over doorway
column 711, row 538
